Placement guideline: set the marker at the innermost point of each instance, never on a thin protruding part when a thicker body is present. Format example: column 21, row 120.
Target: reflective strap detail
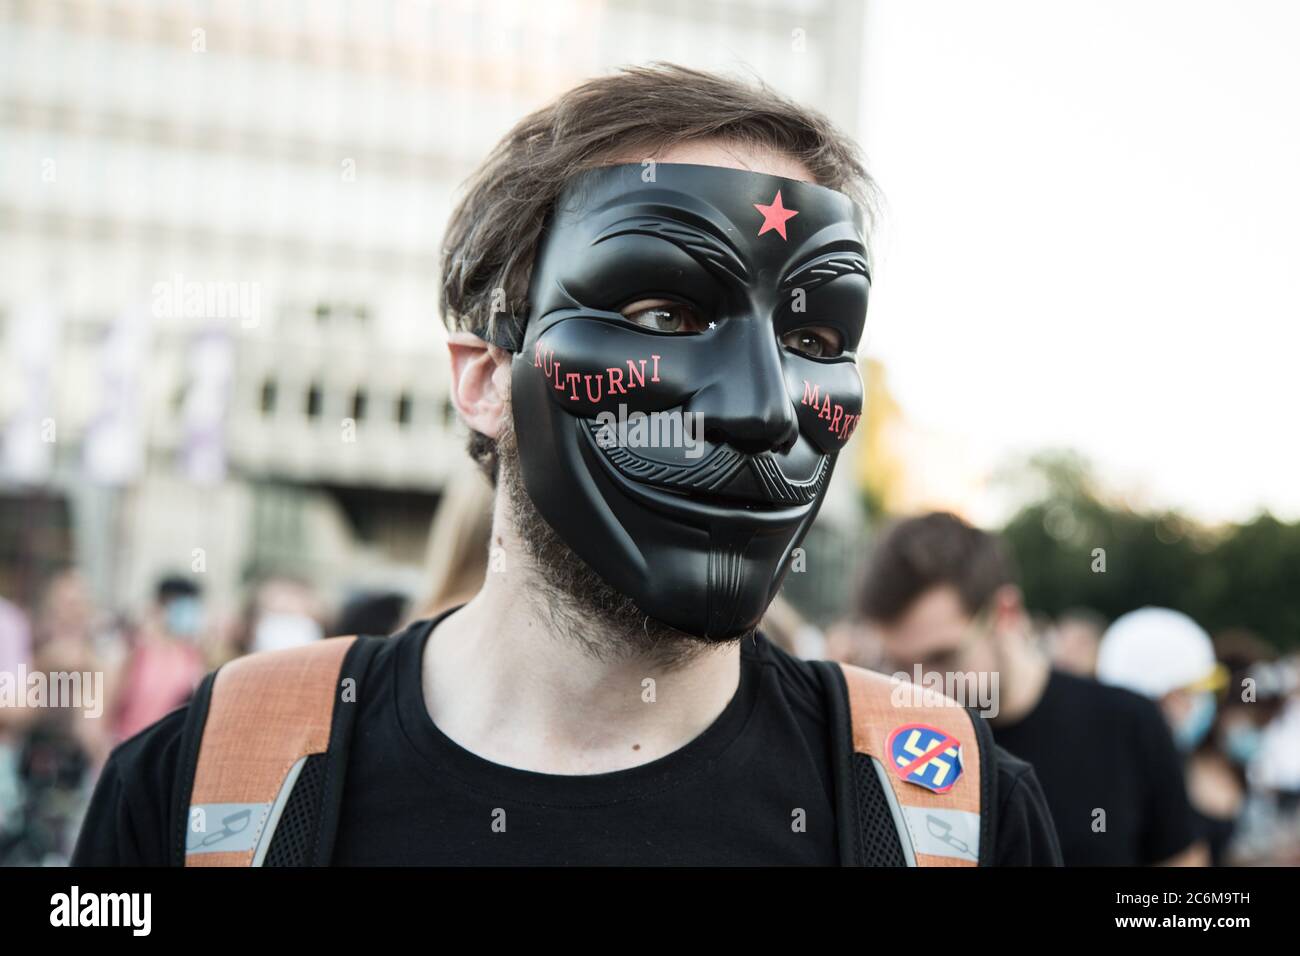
column 224, row 827
column 896, row 812
column 940, row 831
column 277, row 808
column 240, row 827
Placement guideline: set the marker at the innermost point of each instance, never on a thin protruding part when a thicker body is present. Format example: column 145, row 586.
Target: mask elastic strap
column 505, row 332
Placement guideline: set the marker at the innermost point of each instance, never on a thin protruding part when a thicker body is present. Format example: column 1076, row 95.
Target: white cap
column 1154, row 651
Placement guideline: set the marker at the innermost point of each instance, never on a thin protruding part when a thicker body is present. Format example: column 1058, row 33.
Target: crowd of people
column 1154, row 742
column 142, row 667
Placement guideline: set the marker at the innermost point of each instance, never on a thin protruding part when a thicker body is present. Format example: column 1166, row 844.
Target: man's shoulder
column 1015, row 782
column 1079, row 687
column 1026, row 833
column 144, row 766
column 156, row 745
column 129, row 818
column 797, row 677
column 1115, row 705
column 1011, row 771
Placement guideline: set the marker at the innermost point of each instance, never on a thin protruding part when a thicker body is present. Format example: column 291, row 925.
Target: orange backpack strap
column 264, row 726
column 916, row 763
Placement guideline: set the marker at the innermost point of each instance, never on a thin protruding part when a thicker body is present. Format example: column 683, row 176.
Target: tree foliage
column 1244, row 575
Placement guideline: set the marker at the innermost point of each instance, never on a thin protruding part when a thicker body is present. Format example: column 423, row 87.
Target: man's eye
column 817, row 341
column 664, row 316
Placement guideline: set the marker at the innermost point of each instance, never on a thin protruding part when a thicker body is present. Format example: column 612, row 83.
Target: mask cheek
column 828, row 400
column 588, row 366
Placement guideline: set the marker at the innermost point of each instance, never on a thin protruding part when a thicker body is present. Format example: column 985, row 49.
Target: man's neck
column 501, row 681
column 1024, row 674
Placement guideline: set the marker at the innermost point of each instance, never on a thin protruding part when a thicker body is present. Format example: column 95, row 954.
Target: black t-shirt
column 1100, row 748
column 413, row 796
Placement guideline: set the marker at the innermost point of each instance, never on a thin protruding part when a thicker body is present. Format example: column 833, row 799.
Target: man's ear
column 1009, row 609
column 480, row 382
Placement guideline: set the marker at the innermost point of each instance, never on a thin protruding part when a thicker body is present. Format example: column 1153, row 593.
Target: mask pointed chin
column 744, row 573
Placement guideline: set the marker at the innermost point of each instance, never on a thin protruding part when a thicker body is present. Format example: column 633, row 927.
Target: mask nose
column 747, row 404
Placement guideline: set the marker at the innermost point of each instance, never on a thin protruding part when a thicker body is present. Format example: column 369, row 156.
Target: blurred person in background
column 1219, row 766
column 460, row 543
column 70, row 636
column 789, row 630
column 56, row 746
column 942, row 596
column 1246, row 705
column 372, row 612
column 1271, row 828
column 852, row 640
column 15, row 659
column 283, row 611
column 1167, row 657
column 66, row 619
column 1233, row 776
column 165, row 661
column 1073, row 641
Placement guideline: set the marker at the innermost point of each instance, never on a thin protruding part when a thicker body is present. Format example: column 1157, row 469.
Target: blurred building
column 219, row 222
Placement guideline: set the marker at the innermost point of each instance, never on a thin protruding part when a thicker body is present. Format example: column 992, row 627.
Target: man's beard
column 576, row 600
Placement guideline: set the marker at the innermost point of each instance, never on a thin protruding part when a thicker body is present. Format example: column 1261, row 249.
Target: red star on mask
column 775, row 215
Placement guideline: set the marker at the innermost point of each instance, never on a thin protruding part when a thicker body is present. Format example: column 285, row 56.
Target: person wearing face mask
column 1218, row 759
column 1216, row 772
column 165, row 662
column 1248, row 703
column 1167, row 657
column 655, row 287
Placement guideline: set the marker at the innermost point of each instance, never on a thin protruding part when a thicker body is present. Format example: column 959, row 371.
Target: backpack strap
column 264, row 755
column 914, row 771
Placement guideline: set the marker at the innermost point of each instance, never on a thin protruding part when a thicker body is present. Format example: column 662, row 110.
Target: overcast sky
column 1091, row 236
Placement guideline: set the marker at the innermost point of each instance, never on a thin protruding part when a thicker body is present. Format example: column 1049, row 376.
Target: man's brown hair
column 935, row 549
column 494, row 232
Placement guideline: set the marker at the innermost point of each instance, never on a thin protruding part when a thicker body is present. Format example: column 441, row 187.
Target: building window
column 404, row 409
column 313, row 401
column 268, row 397
column 359, row 400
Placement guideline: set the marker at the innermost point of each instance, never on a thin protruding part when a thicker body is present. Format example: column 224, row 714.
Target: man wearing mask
column 942, row 596
column 659, row 242
column 1168, row 658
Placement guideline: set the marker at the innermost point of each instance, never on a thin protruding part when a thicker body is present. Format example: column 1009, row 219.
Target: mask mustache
column 723, row 472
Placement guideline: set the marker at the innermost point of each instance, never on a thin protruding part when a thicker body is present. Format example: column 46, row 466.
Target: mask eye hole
column 664, row 315
column 815, row 341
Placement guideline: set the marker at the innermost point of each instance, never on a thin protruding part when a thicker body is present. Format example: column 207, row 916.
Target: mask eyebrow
column 817, row 272
column 709, row 251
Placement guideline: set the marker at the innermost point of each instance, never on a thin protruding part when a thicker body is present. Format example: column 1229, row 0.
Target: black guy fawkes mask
column 687, row 377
